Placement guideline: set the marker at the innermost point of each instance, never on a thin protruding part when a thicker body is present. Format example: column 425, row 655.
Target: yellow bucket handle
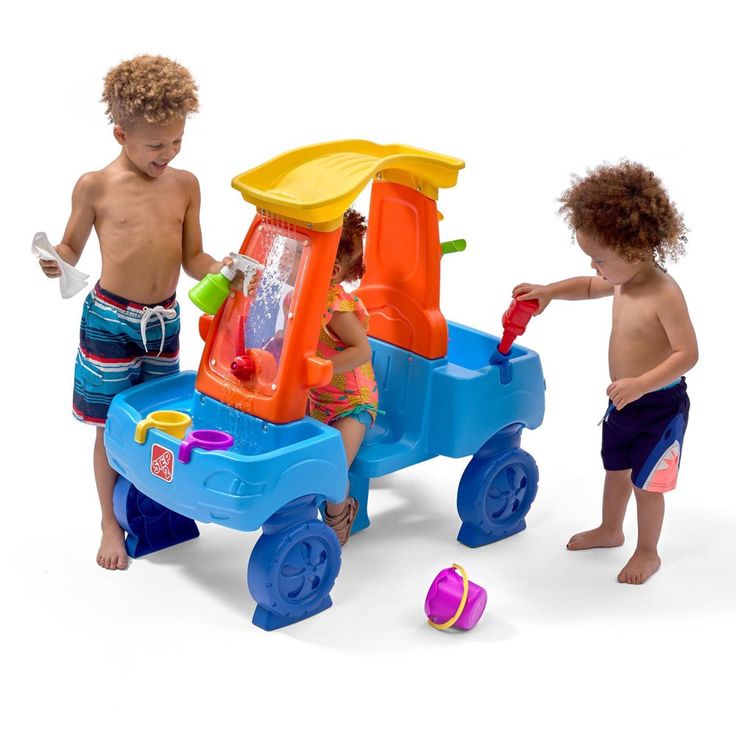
column 461, row 607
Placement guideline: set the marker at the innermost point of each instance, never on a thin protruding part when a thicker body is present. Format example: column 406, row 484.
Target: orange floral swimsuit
column 348, row 393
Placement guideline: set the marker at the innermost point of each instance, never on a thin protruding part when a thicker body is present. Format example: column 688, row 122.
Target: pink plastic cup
column 446, row 605
column 204, row 439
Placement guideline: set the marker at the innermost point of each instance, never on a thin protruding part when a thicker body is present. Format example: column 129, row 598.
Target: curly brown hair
column 627, row 208
column 151, row 88
column 350, row 249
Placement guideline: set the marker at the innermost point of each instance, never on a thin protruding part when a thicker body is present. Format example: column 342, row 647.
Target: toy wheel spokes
column 303, row 570
column 291, row 573
column 507, row 492
column 495, row 495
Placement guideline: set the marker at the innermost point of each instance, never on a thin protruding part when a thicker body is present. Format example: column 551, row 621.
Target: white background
column 526, row 94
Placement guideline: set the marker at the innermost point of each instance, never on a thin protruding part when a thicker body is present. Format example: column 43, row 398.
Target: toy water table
column 438, row 394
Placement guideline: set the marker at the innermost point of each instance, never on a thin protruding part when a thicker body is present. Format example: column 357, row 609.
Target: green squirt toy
column 210, row 293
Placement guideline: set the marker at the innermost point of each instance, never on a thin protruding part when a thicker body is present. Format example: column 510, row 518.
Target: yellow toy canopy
column 314, row 185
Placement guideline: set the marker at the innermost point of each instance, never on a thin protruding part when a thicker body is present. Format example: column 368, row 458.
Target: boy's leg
column 645, row 560
column 103, row 345
column 616, row 494
column 112, row 554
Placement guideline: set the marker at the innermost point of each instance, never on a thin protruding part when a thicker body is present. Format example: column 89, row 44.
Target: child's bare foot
column 598, row 537
column 112, row 554
column 640, row 568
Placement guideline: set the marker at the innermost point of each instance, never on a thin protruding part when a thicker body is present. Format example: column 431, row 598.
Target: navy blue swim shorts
column 647, row 436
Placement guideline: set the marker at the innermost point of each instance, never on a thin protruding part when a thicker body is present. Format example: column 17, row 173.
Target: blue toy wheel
column 149, row 525
column 291, row 573
column 495, row 495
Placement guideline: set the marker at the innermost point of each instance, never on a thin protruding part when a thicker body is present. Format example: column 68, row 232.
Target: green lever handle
column 453, row 246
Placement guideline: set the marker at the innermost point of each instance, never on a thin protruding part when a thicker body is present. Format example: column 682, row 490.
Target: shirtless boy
column 146, row 216
column 627, row 226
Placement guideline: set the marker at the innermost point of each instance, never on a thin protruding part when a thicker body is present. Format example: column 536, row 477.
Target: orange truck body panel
column 401, row 286
column 299, row 368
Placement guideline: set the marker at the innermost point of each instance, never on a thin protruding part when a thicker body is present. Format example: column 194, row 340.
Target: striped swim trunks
column 121, row 344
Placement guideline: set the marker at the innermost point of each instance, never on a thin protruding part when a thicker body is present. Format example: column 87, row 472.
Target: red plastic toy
column 514, row 321
column 243, row 367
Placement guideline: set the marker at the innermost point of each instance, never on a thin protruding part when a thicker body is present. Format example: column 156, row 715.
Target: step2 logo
column 162, row 463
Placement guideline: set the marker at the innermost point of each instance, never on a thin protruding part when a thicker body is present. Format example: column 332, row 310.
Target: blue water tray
column 269, row 465
column 449, row 406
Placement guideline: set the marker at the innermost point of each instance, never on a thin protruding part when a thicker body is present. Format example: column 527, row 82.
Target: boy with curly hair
column 626, row 224
column 146, row 216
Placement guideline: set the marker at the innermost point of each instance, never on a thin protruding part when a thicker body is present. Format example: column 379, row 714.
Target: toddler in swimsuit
column 350, row 401
column 627, row 226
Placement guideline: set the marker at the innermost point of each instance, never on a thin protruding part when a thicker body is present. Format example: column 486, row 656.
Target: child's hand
column 237, row 283
column 216, row 266
column 254, row 281
column 624, row 391
column 50, row 268
column 533, row 291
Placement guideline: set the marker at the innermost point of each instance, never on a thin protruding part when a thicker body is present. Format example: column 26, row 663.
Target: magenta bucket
column 454, row 601
column 204, row 439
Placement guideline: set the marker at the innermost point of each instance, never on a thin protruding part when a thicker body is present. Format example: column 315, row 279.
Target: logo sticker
column 162, row 463
column 663, row 477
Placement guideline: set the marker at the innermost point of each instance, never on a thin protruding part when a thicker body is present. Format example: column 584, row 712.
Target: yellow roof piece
column 316, row 184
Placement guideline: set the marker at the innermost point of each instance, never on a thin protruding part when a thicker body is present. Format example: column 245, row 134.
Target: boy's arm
column 347, row 327
column 78, row 228
column 675, row 320
column 578, row 287
column 194, row 260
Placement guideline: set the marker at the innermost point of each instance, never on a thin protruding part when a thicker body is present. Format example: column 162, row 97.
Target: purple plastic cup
column 204, row 439
column 443, row 603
